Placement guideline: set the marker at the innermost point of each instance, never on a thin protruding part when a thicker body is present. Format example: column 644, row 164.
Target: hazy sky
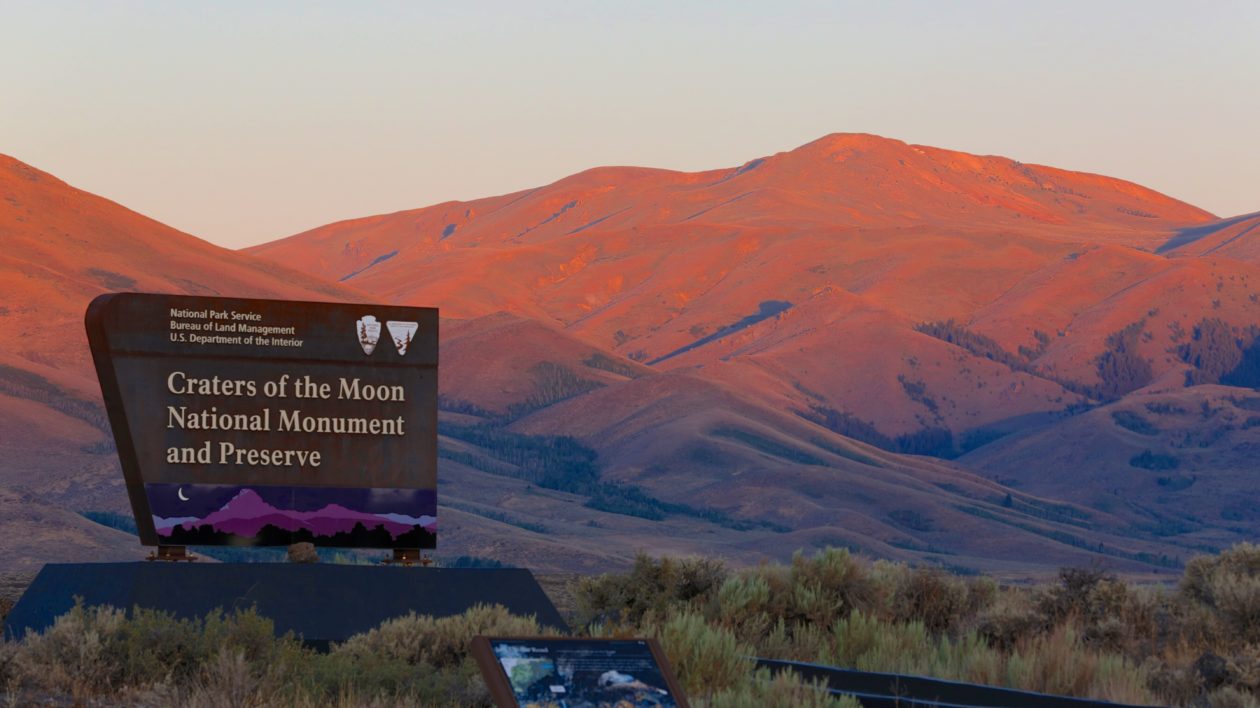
column 242, row 122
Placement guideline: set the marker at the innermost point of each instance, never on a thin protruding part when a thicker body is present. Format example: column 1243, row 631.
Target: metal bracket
column 408, row 557
column 172, row 553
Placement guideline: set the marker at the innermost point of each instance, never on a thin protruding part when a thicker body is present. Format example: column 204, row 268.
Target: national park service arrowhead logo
column 369, row 331
column 402, row 334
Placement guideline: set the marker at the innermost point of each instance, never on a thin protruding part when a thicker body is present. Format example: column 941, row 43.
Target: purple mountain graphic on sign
column 247, row 513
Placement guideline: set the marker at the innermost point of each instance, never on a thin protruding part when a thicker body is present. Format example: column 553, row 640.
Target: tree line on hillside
column 20, row 383
column 564, row 464
column 933, row 441
column 981, row 346
column 1219, row 352
column 550, row 461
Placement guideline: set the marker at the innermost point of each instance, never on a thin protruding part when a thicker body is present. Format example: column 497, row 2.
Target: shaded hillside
column 1180, row 465
column 34, row 532
column 1236, row 237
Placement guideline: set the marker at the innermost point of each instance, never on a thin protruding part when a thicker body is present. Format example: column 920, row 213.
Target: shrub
column 869, row 644
column 1154, row 461
column 236, row 660
column 650, row 590
column 837, row 574
column 1059, row 663
column 863, row 642
column 98, row 650
column 785, row 689
column 1011, row 618
column 1230, row 697
column 1229, row 584
column 707, row 659
column 1072, row 596
column 443, row 641
column 930, row 596
column 9, row 653
column 742, row 596
column 1132, row 421
column 1089, row 634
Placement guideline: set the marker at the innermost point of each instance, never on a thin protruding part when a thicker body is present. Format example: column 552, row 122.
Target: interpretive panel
column 552, row 671
column 269, row 422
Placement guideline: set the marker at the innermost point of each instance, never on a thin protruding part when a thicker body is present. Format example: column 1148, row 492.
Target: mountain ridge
column 806, row 337
column 923, row 300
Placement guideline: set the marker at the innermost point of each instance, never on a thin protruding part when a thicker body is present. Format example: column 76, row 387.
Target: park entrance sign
column 267, row 422
column 263, row 422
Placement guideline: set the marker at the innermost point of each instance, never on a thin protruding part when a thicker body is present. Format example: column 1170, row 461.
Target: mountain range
column 917, row 353
column 247, row 513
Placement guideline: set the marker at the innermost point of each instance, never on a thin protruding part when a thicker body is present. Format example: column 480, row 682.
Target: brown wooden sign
column 268, row 422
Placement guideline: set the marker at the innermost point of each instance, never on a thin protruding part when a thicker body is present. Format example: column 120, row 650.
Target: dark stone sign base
column 321, row 603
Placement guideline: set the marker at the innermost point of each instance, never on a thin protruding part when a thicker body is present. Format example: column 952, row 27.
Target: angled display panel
column 558, row 671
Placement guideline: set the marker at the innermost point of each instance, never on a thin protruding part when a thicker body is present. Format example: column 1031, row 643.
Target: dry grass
column 1088, row 635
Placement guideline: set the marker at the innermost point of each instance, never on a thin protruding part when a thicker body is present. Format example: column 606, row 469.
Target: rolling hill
column 61, row 248
column 916, row 299
column 738, row 362
column 838, row 251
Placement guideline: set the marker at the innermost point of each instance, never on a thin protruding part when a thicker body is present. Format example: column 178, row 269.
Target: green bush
column 236, row 660
column 1060, row 663
column 99, row 650
column 930, row 596
column 1012, row 617
column 707, row 659
column 648, row 591
column 1229, row 584
column 424, row 640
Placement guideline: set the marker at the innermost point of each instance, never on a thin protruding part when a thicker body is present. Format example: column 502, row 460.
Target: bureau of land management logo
column 369, row 333
column 402, row 333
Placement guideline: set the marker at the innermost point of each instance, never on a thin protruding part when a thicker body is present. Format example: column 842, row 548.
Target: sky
column 243, row 122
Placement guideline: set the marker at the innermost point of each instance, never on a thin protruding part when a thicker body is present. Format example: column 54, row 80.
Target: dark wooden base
column 319, row 602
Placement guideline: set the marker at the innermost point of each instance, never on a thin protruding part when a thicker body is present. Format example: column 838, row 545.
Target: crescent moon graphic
column 180, row 494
